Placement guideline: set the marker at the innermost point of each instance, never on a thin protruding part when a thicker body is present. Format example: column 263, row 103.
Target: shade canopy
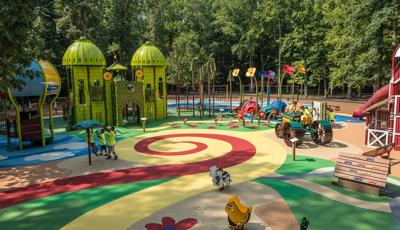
column 35, row 77
column 83, row 52
column 116, row 67
column 87, row 124
column 147, row 55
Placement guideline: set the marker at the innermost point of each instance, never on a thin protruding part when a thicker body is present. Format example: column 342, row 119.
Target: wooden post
column 230, row 93
column 88, row 141
column 294, row 151
column 268, row 92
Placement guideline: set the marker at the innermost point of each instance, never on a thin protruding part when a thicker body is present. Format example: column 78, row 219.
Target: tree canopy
column 341, row 43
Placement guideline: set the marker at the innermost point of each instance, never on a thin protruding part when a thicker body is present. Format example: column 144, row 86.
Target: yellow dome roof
column 83, row 52
column 148, row 55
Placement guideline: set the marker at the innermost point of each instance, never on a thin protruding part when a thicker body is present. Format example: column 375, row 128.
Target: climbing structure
column 127, row 97
column 24, row 120
column 148, row 68
column 89, row 96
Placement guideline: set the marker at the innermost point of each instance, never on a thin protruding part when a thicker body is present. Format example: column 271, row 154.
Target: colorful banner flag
column 288, row 69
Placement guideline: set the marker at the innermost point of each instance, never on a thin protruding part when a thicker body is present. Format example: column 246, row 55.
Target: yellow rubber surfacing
column 127, row 210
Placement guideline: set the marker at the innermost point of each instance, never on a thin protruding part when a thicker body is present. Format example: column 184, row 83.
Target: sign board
column 294, row 140
column 319, row 110
column 363, row 169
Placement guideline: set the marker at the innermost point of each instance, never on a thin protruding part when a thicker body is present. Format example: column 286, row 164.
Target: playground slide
column 276, row 105
column 380, row 95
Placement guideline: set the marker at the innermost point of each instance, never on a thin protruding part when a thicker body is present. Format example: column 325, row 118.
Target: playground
column 162, row 178
column 125, row 150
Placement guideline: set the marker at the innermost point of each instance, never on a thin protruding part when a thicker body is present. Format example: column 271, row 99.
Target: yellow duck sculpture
column 238, row 214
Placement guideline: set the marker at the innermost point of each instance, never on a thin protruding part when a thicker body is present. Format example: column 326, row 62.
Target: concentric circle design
column 242, row 150
column 143, row 146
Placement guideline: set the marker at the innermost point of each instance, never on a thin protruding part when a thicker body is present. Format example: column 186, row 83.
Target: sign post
column 294, row 142
column 144, row 119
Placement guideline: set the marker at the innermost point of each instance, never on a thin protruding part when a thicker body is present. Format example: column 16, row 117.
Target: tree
column 16, row 52
column 185, row 49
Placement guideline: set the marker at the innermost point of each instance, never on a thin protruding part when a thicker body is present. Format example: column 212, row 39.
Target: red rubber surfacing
column 242, row 151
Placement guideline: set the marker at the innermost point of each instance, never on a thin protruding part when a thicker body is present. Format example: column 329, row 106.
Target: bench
column 383, row 151
column 362, row 173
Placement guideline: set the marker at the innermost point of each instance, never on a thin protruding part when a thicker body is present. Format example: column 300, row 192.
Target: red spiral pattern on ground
column 143, row 146
column 242, row 151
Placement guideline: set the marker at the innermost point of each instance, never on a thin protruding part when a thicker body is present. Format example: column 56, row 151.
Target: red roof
column 379, row 96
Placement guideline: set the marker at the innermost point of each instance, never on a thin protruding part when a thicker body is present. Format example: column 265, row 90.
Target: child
column 111, row 144
column 102, row 137
column 332, row 116
column 92, row 143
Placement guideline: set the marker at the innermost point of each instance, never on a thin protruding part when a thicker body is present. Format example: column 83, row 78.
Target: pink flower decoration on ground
column 211, row 127
column 168, row 223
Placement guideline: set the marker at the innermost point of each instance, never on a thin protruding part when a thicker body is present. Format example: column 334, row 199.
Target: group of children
column 103, row 142
column 310, row 115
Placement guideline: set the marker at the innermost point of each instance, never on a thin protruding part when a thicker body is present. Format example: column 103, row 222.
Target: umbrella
column 87, row 124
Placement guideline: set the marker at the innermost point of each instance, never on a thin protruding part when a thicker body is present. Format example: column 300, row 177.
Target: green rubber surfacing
column 55, row 211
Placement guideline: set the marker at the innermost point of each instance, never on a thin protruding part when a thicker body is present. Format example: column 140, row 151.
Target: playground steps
column 30, row 129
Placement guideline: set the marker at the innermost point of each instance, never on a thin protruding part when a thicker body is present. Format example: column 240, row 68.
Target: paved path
column 208, row 207
column 298, row 180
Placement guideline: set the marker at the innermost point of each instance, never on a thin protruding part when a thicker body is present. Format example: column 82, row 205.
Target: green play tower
column 148, row 67
column 89, row 92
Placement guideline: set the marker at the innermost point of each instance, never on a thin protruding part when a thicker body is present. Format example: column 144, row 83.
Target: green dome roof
column 148, row 55
column 83, row 52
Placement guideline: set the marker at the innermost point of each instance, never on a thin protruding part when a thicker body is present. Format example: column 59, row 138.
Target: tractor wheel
column 323, row 134
column 290, row 132
column 278, row 130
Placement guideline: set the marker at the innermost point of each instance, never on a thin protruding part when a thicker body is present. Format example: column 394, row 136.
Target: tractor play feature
column 293, row 126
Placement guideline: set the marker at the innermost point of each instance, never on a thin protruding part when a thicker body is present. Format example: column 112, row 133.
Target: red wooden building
column 382, row 110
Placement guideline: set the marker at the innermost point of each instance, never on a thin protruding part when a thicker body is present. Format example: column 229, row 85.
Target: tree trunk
column 326, row 90
column 280, row 80
column 359, row 92
column 305, row 86
column 349, row 92
column 379, row 61
column 318, row 88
